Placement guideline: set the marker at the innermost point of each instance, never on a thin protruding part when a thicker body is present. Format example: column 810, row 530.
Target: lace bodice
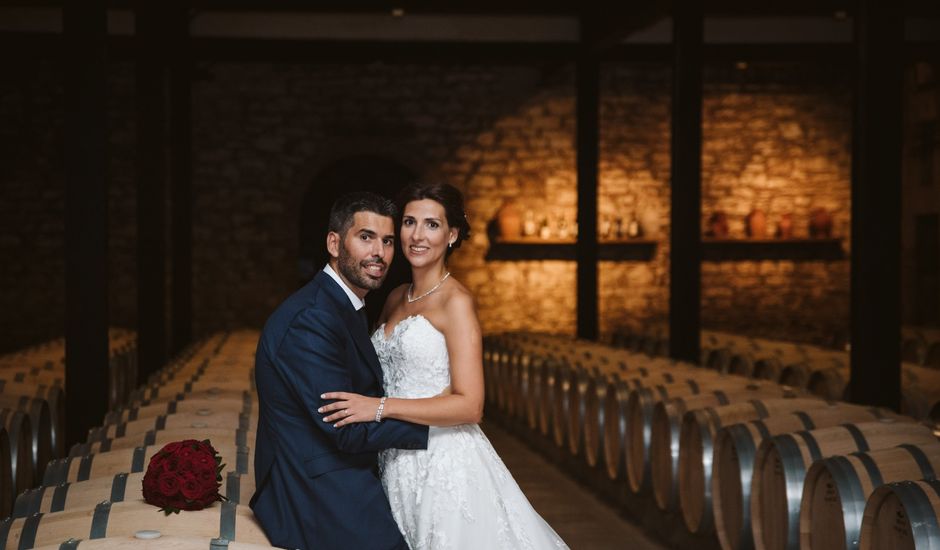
column 414, row 358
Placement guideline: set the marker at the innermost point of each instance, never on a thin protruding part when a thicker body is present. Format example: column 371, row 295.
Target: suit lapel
column 354, row 325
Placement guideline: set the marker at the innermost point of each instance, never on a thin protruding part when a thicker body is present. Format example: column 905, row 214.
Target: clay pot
column 820, row 224
column 756, row 224
column 785, row 227
column 509, row 220
column 717, row 225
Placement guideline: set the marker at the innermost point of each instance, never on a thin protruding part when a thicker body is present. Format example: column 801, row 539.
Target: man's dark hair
column 345, row 207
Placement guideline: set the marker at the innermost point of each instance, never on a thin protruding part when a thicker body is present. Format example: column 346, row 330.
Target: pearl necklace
column 433, row 288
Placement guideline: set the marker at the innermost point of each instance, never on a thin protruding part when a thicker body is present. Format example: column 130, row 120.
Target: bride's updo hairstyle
column 447, row 196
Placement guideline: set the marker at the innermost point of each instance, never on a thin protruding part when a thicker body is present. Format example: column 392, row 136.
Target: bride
column 458, row 493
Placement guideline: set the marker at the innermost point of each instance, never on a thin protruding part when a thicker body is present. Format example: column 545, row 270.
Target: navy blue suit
column 317, row 486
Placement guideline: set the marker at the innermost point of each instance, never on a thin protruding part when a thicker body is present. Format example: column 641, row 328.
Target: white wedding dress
column 457, row 493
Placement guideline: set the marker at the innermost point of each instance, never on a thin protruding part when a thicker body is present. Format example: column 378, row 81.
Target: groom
column 317, row 486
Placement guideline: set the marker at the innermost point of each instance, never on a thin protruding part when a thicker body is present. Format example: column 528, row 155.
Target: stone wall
column 262, row 133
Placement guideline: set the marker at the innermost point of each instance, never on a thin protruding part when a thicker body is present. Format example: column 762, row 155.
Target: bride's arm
column 464, row 403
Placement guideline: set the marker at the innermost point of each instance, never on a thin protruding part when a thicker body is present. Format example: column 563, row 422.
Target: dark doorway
column 360, row 173
column 927, row 266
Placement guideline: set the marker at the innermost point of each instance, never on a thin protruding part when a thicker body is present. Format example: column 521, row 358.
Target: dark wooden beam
column 86, row 218
column 151, row 105
column 606, row 26
column 181, row 197
column 876, row 207
column 685, row 235
column 588, row 146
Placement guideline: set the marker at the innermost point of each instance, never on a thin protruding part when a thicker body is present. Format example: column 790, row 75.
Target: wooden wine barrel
column 19, row 433
column 7, row 484
column 54, row 397
column 219, row 436
column 212, row 393
column 200, row 419
column 718, row 359
column 532, row 381
column 548, row 378
column 914, row 350
column 780, row 469
column 665, row 431
column 696, row 449
column 577, row 409
column 40, row 424
column 829, row 383
column 735, row 447
column 798, row 374
column 123, row 486
column 123, row 519
column 154, row 540
column 594, row 420
column 82, row 468
column 188, row 405
column 639, row 414
column 902, row 516
column 837, row 488
column 920, row 392
column 560, row 392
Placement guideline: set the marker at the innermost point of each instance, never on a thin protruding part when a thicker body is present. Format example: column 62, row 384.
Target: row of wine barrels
column 225, row 520
column 728, row 453
column 236, row 486
column 781, row 463
column 154, row 540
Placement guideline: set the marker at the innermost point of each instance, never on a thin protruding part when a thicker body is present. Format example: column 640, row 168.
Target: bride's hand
column 349, row 408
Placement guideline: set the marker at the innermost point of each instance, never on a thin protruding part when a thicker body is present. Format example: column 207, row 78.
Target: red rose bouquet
column 184, row 475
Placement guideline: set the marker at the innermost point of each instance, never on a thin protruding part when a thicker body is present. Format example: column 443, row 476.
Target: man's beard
column 353, row 270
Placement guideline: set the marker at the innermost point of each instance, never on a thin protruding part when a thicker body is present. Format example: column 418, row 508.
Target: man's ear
column 332, row 244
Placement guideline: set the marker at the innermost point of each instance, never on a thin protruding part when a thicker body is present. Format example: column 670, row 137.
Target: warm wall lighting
column 398, row 12
column 741, row 65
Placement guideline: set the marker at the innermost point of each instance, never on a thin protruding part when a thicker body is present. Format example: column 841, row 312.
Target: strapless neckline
column 386, row 336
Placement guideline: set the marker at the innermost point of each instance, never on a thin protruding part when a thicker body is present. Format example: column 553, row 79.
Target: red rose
column 186, row 465
column 169, row 484
column 171, row 447
column 185, row 452
column 204, row 459
column 170, row 465
column 208, row 478
column 190, row 487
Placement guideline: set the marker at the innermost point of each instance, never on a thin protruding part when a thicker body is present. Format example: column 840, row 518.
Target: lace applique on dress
column 457, row 494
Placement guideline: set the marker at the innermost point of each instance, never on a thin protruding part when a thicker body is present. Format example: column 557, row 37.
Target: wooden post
column 152, row 97
column 588, row 136
column 86, row 212
column 685, row 264
column 181, row 177
column 876, row 206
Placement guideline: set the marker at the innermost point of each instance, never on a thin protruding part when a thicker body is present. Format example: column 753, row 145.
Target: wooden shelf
column 556, row 249
column 723, row 250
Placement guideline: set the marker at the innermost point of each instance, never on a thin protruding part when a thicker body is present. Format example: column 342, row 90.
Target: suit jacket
column 318, row 486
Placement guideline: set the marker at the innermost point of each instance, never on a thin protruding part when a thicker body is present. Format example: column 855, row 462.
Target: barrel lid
column 199, row 425
column 147, row 534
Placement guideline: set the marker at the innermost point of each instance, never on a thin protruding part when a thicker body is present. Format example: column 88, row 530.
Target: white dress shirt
column 356, row 301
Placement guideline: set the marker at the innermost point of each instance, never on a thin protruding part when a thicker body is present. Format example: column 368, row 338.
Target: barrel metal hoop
column 794, row 468
column 920, row 512
column 137, row 463
column 241, row 438
column 150, row 437
column 227, row 520
column 644, row 372
column 874, row 473
column 247, row 402
column 241, row 460
column 761, row 428
column 694, row 386
column 99, row 522
column 70, row 544
column 722, row 397
column 218, row 544
column 759, row 408
column 28, row 532
column 713, row 417
column 808, row 423
column 926, row 468
column 23, row 400
column 132, row 414
column 59, row 496
column 171, row 407
column 814, row 452
column 851, row 495
column 121, row 430
column 858, row 436
column 84, row 468
column 244, row 421
column 19, row 377
column 119, row 487
column 667, row 376
column 161, row 422
column 188, row 387
column 233, row 486
column 105, row 445
column 28, row 503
